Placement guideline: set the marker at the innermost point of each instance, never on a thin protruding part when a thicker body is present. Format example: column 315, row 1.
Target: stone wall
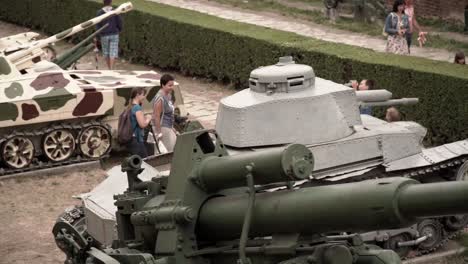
column 447, row 9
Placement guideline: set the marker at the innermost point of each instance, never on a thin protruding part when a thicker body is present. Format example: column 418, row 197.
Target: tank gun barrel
column 355, row 207
column 382, row 98
column 401, row 101
column 23, row 56
column 373, row 95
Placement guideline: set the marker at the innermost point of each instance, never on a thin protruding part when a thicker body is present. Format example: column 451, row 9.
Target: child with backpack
column 132, row 123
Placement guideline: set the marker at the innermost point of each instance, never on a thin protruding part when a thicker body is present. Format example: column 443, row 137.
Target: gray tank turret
column 285, row 103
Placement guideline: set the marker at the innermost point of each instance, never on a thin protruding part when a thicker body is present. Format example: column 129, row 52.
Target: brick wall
column 448, row 9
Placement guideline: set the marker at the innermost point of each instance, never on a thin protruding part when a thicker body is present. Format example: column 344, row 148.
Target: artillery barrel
column 373, row 95
column 294, row 162
column 18, row 57
column 402, row 101
column 78, row 51
column 355, row 207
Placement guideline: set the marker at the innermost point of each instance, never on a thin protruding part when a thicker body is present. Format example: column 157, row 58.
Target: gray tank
column 286, row 103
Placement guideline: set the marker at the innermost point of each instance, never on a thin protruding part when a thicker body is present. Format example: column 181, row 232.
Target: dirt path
column 301, row 27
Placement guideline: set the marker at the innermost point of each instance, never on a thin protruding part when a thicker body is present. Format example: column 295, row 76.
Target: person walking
column 396, row 26
column 413, row 23
column 138, row 121
column 163, row 113
column 109, row 36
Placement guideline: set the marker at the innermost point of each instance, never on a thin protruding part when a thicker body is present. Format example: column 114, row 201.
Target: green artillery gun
column 220, row 208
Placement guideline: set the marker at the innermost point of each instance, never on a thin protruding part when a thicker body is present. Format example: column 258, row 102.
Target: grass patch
column 442, row 25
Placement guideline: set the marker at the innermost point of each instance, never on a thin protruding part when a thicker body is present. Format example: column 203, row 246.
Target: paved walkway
column 301, row 27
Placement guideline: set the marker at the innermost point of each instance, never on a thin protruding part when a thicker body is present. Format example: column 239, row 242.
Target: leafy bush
column 220, row 49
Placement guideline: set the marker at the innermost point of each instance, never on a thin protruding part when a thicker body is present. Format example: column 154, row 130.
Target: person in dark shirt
column 110, row 35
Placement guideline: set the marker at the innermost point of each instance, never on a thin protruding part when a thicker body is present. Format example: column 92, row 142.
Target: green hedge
column 208, row 46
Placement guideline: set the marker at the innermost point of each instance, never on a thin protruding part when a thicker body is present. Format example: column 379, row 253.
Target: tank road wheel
column 392, row 244
column 433, row 230
column 95, row 141
column 59, row 145
column 18, row 152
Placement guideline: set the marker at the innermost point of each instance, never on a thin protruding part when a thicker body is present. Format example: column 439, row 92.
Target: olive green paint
column 109, row 112
column 152, row 92
column 124, row 93
column 86, row 24
column 14, row 90
column 5, row 68
column 64, row 33
column 9, row 111
column 54, row 99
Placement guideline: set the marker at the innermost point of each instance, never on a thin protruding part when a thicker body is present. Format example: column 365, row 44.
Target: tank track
column 37, row 164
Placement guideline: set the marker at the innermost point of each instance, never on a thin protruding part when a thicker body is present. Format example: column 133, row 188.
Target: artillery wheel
column 462, row 172
column 434, row 232
column 457, row 222
column 18, row 152
column 59, row 145
column 392, row 244
column 95, row 141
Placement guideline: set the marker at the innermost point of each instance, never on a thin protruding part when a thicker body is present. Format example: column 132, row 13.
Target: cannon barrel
column 401, row 101
column 373, row 95
column 291, row 163
column 355, row 207
column 23, row 56
column 79, row 50
column 382, row 98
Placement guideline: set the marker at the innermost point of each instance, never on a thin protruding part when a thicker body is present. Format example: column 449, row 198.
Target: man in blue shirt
column 110, row 35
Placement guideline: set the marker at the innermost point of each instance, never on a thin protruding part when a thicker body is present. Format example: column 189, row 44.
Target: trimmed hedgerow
column 220, row 49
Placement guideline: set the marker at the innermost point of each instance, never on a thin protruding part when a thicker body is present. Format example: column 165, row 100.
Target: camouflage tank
column 52, row 116
column 214, row 208
column 347, row 146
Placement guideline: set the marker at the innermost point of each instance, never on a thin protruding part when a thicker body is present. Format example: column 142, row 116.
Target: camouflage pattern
column 52, row 115
column 16, row 42
column 49, row 98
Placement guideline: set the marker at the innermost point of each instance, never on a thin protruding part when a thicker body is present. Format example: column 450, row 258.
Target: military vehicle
column 214, row 208
column 52, row 116
column 286, row 103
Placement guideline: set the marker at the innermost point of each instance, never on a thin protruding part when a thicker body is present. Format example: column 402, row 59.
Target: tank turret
column 192, row 216
column 287, row 95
